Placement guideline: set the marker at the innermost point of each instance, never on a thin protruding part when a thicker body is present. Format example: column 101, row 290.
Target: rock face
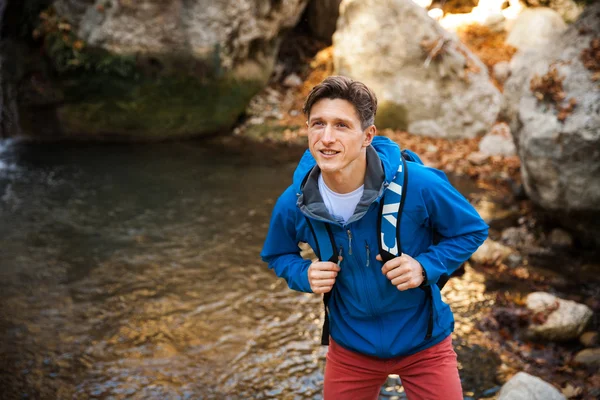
column 536, row 27
column 322, row 17
column 523, row 386
column 153, row 69
column 559, row 151
column 566, row 319
column 426, row 81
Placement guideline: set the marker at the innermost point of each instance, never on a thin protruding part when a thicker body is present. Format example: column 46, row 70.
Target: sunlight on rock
column 488, row 12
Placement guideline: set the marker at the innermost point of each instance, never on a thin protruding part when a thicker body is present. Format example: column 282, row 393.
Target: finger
column 406, row 285
column 323, row 282
column 323, row 274
column 322, row 289
column 327, row 266
column 401, row 279
column 378, row 257
column 396, row 272
column 390, row 265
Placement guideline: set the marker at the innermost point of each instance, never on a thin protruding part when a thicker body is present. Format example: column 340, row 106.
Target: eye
column 317, row 123
column 342, row 125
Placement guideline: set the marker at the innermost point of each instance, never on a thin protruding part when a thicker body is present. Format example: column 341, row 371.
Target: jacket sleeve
column 458, row 224
column 281, row 249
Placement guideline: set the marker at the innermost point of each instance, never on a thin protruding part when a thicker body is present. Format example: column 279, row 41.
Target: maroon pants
column 430, row 374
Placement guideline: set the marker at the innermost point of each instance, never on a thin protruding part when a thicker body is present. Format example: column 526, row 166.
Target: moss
column 152, row 109
column 391, row 115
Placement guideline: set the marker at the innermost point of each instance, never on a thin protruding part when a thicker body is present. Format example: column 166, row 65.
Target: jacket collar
column 311, row 203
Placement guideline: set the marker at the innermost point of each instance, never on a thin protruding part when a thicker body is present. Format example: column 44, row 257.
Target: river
column 133, row 272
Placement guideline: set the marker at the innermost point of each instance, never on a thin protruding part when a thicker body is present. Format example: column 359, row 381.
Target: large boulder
column 564, row 319
column 426, row 81
column 523, row 386
column 154, row 69
column 553, row 104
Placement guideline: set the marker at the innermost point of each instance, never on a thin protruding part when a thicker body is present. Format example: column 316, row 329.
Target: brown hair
column 340, row 87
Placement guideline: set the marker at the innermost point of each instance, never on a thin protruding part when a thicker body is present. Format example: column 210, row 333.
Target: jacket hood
column 387, row 150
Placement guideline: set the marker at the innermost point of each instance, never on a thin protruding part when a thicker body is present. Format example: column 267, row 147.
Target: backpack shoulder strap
column 326, row 251
column 390, row 213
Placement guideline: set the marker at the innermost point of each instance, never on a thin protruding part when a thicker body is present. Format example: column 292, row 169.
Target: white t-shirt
column 340, row 206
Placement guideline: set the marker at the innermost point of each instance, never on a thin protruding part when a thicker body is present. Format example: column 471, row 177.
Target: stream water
column 134, row 272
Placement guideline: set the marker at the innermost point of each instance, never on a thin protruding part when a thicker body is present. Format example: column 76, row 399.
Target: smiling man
column 383, row 317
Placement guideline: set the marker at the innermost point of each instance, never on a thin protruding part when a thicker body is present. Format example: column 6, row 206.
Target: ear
column 370, row 133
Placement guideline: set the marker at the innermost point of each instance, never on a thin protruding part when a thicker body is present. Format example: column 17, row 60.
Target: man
column 381, row 318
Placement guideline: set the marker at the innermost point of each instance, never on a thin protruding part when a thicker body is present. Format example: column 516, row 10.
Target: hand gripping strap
column 325, row 250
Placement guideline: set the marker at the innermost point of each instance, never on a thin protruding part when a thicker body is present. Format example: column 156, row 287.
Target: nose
column 328, row 137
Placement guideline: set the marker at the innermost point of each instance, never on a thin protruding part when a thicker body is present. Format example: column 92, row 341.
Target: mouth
column 329, row 153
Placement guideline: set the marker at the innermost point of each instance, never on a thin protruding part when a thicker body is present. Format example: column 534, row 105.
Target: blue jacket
column 367, row 313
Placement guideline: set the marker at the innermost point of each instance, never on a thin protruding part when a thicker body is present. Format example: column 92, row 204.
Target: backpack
column 388, row 224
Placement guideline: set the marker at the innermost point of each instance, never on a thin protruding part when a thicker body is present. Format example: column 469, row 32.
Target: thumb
column 378, row 257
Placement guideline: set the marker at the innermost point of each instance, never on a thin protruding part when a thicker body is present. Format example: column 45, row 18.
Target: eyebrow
column 345, row 121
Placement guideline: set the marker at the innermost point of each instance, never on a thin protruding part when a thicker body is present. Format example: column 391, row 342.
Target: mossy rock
column 391, row 115
column 152, row 109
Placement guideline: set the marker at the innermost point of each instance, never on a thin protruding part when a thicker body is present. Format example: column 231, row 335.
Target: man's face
column 335, row 136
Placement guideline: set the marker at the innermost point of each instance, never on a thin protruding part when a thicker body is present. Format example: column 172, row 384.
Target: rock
column 560, row 238
column 153, row 69
column 565, row 321
column 423, row 3
column 536, row 27
column 477, row 158
column 426, row 81
column 292, row 80
column 491, row 252
column 498, row 142
column 588, row 357
column 501, row 71
column 569, row 10
column 322, row 17
column 589, row 339
column 514, row 260
column 517, row 237
column 523, row 386
column 560, row 160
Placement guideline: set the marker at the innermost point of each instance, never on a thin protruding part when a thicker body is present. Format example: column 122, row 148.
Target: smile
column 329, row 152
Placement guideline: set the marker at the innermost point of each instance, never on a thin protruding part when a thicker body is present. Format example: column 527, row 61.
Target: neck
column 348, row 179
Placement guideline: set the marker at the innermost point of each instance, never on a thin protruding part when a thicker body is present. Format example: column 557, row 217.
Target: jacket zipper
column 368, row 253
column 349, row 242
column 368, row 290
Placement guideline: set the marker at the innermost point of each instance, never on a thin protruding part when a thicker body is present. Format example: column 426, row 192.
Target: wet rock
column 501, row 71
column 514, row 260
column 514, row 236
column 292, row 80
column 561, row 238
column 559, row 150
column 589, row 339
column 416, row 55
column 523, row 386
column 322, row 17
column 491, row 252
column 588, row 357
column 565, row 319
column 477, row 158
column 498, row 142
column 536, row 27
